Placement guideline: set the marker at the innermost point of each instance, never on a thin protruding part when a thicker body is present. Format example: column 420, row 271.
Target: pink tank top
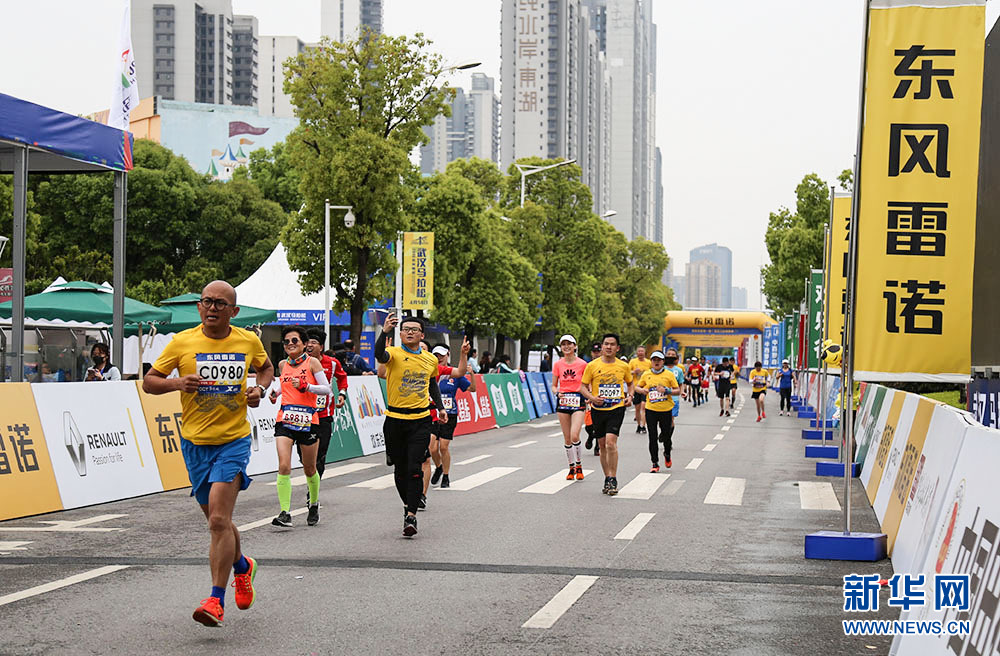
column 298, row 409
column 569, row 375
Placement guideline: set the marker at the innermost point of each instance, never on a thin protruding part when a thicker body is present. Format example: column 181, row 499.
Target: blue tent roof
column 54, row 136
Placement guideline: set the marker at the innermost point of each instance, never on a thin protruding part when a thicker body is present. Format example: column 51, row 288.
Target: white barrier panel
column 931, row 470
column 965, row 541
column 890, row 454
column 882, row 440
column 368, row 407
column 869, row 424
column 98, row 441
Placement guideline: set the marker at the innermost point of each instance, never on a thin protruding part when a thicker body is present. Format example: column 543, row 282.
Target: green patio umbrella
column 83, row 301
column 184, row 314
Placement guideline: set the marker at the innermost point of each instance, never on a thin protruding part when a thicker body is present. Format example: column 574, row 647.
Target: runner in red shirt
column 333, row 370
column 570, row 408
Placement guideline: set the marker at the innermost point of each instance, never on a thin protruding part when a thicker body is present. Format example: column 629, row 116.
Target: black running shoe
column 727, row 414
column 597, row 450
column 444, row 481
column 437, row 475
column 590, row 442
column 607, row 483
column 422, row 503
column 613, row 487
column 410, row 526
column 313, row 517
column 283, row 519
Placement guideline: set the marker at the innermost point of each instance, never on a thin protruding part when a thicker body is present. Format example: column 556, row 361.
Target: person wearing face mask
column 786, row 378
column 659, row 386
column 102, row 369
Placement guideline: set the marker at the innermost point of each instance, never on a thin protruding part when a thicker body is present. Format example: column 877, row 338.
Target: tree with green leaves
column 273, row 172
column 362, row 105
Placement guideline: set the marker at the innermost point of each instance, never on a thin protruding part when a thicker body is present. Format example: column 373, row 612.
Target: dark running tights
column 660, row 426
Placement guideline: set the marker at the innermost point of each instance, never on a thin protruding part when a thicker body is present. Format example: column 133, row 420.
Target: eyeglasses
column 294, row 340
column 411, row 329
column 217, row 303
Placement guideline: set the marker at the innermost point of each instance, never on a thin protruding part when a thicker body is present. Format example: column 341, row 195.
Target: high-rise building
column 342, row 20
column 740, row 298
column 274, row 51
column 245, row 62
column 186, row 49
column 704, row 288
column 723, row 257
column 472, row 130
column 679, row 285
column 555, row 89
column 658, row 235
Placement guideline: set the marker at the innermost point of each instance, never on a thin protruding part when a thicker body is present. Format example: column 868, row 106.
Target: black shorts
column 607, row 422
column 302, row 438
column 446, row 431
column 579, row 406
column 722, row 391
column 758, row 394
column 324, row 429
column 638, row 398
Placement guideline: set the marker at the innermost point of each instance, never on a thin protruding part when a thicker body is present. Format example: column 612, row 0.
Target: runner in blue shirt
column 443, row 433
column 786, row 378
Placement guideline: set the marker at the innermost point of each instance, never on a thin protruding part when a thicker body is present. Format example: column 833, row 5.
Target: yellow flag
column 418, row 270
column 919, row 171
column 837, row 275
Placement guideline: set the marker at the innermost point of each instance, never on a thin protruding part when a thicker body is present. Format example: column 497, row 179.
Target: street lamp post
column 528, row 170
column 348, row 222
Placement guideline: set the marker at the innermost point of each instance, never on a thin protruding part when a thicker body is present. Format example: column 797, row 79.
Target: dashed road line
column 553, row 483
column 726, row 491
column 60, row 583
column 672, row 488
column 719, row 436
column 481, row 478
column 642, row 486
column 816, row 495
column 695, row 463
column 550, row 613
column 267, row 520
column 709, row 447
column 380, row 483
column 333, row 472
column 518, row 446
column 474, row 459
column 632, row 528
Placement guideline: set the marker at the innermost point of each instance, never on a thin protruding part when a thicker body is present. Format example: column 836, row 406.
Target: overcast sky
column 751, row 95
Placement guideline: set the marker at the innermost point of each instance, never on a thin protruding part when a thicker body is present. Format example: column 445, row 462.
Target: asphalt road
column 716, row 566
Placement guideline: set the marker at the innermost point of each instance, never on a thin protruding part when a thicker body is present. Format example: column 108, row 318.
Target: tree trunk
column 525, row 350
column 358, row 300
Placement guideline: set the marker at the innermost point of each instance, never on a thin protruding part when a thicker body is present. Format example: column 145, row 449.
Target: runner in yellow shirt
column 212, row 360
column 607, row 384
column 758, row 379
column 639, row 365
column 659, row 386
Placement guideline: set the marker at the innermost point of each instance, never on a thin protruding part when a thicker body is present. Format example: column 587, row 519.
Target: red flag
column 239, row 127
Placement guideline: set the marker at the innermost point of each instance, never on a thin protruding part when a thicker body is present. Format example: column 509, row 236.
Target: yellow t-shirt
column 643, row 365
column 217, row 412
column 654, row 400
column 608, row 381
column 759, row 378
column 408, row 376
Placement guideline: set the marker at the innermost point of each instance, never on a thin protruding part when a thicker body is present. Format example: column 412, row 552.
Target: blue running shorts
column 215, row 463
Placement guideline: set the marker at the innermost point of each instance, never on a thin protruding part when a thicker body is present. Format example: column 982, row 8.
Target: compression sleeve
column 435, row 393
column 380, row 353
column 322, row 388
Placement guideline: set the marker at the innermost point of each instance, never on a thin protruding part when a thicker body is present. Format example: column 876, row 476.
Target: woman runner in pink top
column 566, row 376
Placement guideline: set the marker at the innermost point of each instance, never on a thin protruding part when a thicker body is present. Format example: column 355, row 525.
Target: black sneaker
column 283, row 519
column 437, row 475
column 313, row 517
column 613, row 487
column 590, row 443
column 422, row 503
column 444, row 481
column 727, row 414
column 638, row 430
column 597, row 450
column 410, row 526
column 607, row 484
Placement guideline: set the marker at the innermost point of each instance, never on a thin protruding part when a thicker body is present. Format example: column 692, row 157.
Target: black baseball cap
column 596, row 347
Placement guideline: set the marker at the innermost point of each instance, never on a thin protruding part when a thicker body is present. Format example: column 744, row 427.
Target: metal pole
column 326, row 274
column 847, row 391
column 522, row 186
column 118, row 274
column 821, row 415
column 17, row 255
column 399, row 286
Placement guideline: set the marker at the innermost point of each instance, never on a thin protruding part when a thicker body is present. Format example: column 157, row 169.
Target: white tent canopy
column 274, row 286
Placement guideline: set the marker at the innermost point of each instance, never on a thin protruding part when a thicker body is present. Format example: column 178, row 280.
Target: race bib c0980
column 221, row 373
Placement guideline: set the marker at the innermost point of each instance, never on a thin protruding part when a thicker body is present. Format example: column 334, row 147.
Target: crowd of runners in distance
column 212, row 362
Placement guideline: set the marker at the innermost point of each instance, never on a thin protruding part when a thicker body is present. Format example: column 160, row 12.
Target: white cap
column 784, row 362
column 440, row 350
column 567, row 338
column 656, row 354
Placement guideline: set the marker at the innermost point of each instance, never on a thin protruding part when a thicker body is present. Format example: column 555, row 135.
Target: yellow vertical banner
column 163, row 420
column 919, row 170
column 418, row 270
column 840, row 235
column 27, row 480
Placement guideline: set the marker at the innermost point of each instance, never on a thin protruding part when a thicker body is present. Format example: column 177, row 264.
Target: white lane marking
column 550, row 613
column 333, row 472
column 731, row 420
column 474, row 459
column 545, row 424
column 672, row 488
column 380, row 483
column 480, row 478
column 7, row 547
column 695, row 463
column 553, row 483
column 709, row 447
column 267, row 520
column 559, row 434
column 726, row 491
column 642, row 486
column 632, row 528
column 724, row 429
column 518, row 446
column 68, row 526
column 815, row 495
column 719, row 436
column 61, row 583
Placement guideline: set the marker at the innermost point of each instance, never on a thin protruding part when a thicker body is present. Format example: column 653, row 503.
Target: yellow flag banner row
column 918, row 186
column 418, row 270
column 840, row 235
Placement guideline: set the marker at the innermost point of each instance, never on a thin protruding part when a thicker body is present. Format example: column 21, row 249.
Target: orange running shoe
column 579, row 472
column 763, row 415
column 209, row 613
column 245, row 593
column 655, row 469
column 572, row 473
column 668, row 463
